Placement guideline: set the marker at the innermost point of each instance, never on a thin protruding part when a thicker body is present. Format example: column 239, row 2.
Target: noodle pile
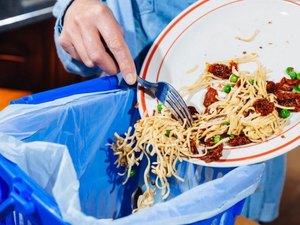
column 164, row 141
column 237, row 107
column 158, row 136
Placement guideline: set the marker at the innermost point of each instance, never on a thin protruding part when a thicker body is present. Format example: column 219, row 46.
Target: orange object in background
column 244, row 221
column 6, row 95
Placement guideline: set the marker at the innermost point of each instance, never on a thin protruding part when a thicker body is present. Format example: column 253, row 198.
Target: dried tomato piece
column 263, row 106
column 210, row 96
column 192, row 110
column 213, row 154
column 220, row 70
column 194, row 149
column 233, row 65
column 239, row 140
column 287, row 84
column 271, row 87
column 288, row 99
column 285, row 95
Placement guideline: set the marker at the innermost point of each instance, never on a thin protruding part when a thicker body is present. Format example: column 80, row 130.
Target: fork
column 170, row 98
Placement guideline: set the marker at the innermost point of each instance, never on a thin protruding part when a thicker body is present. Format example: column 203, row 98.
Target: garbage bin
column 56, row 167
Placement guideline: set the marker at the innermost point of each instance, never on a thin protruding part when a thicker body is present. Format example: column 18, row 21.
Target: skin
column 85, row 23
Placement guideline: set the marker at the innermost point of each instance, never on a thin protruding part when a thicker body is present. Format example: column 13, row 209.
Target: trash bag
column 62, row 145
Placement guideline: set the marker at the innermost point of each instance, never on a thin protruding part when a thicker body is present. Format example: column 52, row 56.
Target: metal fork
column 170, row 98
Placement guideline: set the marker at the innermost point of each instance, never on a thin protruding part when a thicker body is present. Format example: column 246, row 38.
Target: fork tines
column 179, row 107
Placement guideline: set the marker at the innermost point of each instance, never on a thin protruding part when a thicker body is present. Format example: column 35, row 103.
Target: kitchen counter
column 17, row 13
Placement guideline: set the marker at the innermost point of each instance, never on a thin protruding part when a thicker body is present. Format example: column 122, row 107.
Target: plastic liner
column 62, row 145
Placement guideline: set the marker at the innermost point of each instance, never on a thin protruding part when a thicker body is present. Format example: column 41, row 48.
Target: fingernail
column 89, row 64
column 130, row 78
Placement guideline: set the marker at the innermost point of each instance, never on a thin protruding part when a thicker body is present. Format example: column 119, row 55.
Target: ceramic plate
column 207, row 32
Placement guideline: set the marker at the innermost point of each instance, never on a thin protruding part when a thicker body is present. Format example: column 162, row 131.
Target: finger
column 67, row 45
column 80, row 48
column 96, row 51
column 112, row 35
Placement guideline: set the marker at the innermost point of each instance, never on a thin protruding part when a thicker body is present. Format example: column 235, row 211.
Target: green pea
column 296, row 90
column 159, row 107
column 233, row 78
column 132, row 172
column 290, row 71
column 226, row 123
column 227, row 88
column 217, row 139
column 285, row 113
column 251, row 82
column 293, row 75
column 168, row 133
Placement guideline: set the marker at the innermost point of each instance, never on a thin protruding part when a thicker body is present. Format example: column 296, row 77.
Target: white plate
column 206, row 32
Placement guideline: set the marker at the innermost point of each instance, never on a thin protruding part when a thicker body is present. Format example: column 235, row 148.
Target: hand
column 85, row 23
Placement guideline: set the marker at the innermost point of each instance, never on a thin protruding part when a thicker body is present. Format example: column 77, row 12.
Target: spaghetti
column 249, row 39
column 247, row 112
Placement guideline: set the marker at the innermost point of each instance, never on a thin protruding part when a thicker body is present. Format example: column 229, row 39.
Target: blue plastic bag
column 86, row 186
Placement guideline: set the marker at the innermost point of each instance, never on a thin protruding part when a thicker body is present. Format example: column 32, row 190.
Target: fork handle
column 147, row 84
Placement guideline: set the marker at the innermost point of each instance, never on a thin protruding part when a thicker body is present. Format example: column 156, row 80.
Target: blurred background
column 28, row 60
column 29, row 64
column 290, row 208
